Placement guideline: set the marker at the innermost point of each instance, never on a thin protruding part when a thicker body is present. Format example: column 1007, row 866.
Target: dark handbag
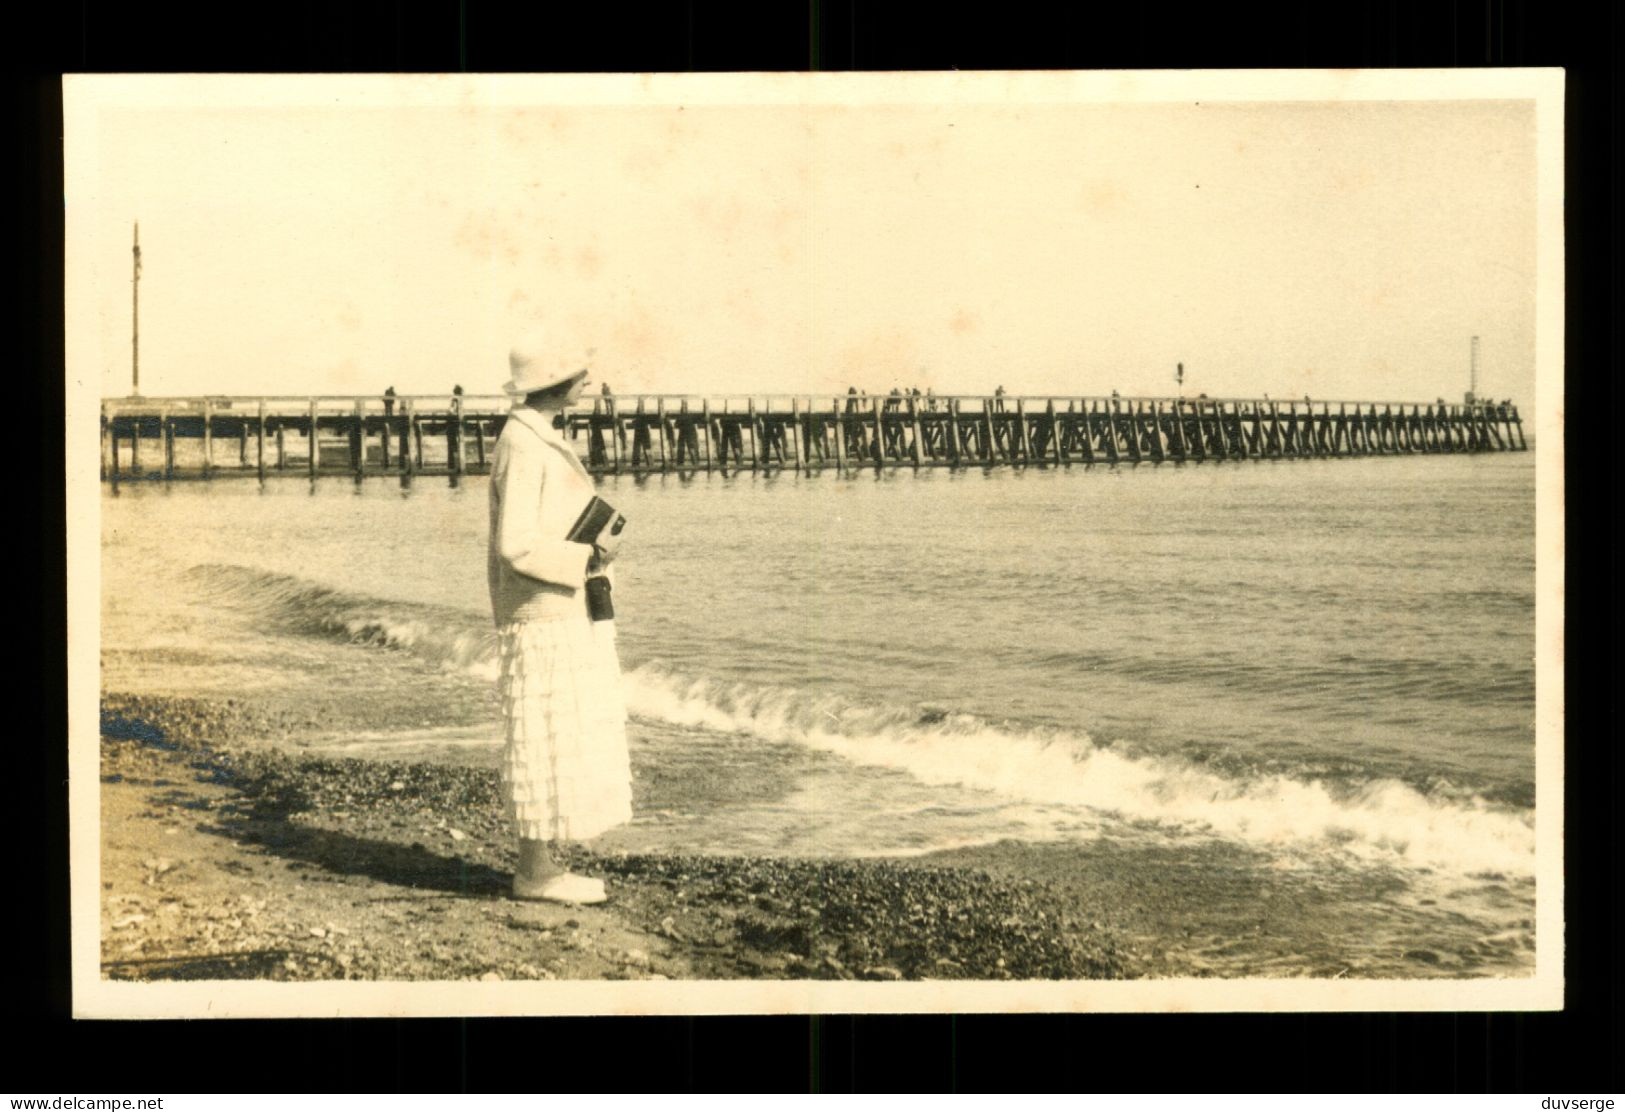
column 600, row 608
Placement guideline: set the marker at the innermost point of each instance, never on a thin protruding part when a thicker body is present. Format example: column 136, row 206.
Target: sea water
column 1329, row 661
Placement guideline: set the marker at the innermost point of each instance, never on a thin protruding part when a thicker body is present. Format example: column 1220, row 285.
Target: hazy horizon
column 1342, row 249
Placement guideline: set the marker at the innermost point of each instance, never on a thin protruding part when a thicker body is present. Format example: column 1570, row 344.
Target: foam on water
column 1380, row 820
column 1377, row 819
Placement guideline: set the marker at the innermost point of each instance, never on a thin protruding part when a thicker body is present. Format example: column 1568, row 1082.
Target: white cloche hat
column 538, row 366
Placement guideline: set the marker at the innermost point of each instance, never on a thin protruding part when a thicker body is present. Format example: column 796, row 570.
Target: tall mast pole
column 135, row 317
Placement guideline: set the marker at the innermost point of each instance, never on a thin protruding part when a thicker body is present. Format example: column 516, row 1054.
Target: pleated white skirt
column 565, row 774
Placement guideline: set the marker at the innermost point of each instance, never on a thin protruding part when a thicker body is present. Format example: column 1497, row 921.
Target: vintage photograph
column 801, row 542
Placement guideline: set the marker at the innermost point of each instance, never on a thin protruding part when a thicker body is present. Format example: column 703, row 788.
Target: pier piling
column 314, row 456
column 208, row 437
column 805, row 434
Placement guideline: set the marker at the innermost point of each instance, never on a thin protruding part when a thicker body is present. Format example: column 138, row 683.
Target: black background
column 1575, row 1052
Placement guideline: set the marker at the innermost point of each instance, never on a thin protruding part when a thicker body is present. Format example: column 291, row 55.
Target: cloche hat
column 538, row 366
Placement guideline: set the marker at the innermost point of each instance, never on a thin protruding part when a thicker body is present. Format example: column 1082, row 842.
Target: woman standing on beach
column 565, row 775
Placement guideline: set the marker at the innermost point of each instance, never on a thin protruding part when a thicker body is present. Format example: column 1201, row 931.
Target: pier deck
column 218, row 437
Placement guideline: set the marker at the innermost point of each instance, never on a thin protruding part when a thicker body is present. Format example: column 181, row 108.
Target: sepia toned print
column 1065, row 542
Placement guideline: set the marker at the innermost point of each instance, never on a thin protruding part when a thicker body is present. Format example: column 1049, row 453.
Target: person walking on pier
column 893, row 407
column 856, row 440
column 640, row 440
column 688, row 437
column 609, row 411
column 386, row 432
column 454, row 423
column 565, row 775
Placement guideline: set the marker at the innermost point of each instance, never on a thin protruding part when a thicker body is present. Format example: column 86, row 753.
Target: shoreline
column 228, row 851
column 221, row 859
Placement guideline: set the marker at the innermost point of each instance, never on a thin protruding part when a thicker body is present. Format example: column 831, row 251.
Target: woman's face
column 575, row 390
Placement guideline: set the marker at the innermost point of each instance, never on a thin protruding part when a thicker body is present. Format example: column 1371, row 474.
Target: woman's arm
column 525, row 541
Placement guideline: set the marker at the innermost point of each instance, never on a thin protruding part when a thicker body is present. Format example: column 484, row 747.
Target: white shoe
column 564, row 888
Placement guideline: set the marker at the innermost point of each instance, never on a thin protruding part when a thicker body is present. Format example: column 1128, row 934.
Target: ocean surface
column 1328, row 664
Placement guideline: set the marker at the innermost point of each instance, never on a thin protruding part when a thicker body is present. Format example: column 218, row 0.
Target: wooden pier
column 361, row 437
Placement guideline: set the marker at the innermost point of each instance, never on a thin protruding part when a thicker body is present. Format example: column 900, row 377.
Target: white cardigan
column 538, row 490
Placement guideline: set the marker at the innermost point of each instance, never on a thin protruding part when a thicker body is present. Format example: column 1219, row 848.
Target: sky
column 1346, row 249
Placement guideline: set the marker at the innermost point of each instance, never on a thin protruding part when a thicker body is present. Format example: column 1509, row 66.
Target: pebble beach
column 224, row 860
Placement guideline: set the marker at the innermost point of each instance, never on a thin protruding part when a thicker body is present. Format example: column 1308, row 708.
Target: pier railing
column 263, row 437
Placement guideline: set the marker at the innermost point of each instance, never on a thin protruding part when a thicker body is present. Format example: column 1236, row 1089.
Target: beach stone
column 761, row 963
column 882, row 973
column 493, row 975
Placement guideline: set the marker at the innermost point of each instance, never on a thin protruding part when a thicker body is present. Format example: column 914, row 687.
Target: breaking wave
column 1377, row 819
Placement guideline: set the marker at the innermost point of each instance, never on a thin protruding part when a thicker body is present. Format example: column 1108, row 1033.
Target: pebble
column 493, row 975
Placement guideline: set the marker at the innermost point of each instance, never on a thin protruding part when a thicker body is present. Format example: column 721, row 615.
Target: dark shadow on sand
column 407, row 866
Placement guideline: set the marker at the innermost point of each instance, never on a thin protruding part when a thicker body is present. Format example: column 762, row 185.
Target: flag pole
column 135, row 316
